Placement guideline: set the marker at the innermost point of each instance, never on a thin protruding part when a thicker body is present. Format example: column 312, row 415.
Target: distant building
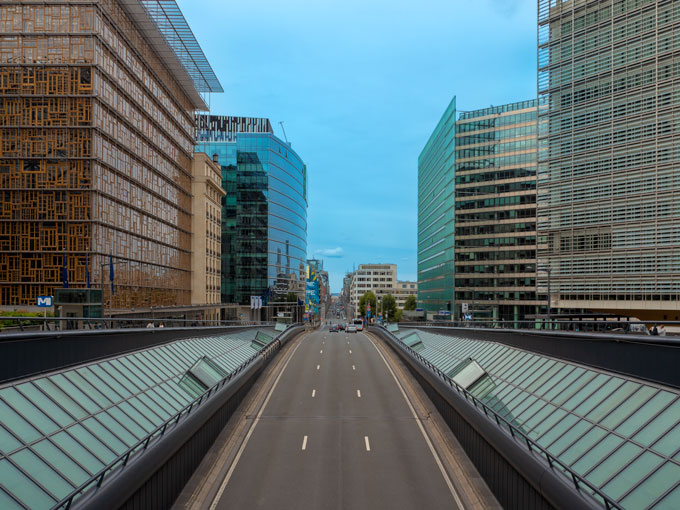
column 264, row 214
column 206, row 227
column 97, row 146
column 381, row 279
column 403, row 290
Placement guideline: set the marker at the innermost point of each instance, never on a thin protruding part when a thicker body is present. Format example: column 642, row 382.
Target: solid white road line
column 368, row 445
column 218, row 496
column 447, row 479
column 359, row 393
column 313, row 393
column 318, row 367
column 304, row 443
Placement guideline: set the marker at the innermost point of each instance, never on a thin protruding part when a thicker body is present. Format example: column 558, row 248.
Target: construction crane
column 284, row 132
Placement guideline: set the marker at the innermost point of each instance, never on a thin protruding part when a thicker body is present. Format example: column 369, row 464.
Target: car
column 351, row 328
column 333, row 327
column 341, row 327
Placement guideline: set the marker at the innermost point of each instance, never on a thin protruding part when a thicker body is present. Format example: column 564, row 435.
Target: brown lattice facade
column 96, row 143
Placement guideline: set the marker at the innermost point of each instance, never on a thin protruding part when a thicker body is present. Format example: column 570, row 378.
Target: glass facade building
column 436, row 214
column 264, row 214
column 97, row 144
column 609, row 151
column 495, row 218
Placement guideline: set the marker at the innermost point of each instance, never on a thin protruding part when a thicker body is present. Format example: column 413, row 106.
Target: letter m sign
column 45, row 301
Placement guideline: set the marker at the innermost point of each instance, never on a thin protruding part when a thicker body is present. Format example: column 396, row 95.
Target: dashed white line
column 304, row 443
column 350, row 351
column 368, row 445
column 353, row 367
column 321, row 351
column 359, row 393
column 318, row 367
column 313, row 393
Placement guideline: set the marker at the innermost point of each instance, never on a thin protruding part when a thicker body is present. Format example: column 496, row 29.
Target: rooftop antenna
column 284, row 132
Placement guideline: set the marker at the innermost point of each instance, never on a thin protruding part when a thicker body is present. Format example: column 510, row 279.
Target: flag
column 64, row 271
column 87, row 270
column 111, row 272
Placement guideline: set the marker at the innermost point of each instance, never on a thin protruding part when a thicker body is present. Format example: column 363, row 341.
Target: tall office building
column 495, row 221
column 264, row 214
column 436, row 214
column 609, row 152
column 98, row 102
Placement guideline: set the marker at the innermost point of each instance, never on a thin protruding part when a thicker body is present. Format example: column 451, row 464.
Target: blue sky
column 360, row 85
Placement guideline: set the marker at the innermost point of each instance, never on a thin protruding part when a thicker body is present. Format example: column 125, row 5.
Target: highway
column 335, row 431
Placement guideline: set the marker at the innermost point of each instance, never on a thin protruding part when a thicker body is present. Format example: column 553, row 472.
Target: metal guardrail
column 578, row 481
column 580, row 325
column 72, row 323
column 122, row 460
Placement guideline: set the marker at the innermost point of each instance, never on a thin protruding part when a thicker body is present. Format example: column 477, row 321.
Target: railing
column 576, row 325
column 578, row 481
column 122, row 460
column 12, row 324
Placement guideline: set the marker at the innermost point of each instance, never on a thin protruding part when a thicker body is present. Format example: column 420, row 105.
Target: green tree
column 397, row 316
column 411, row 303
column 389, row 305
column 369, row 297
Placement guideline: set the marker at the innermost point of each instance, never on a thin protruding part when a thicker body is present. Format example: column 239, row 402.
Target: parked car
column 351, row 328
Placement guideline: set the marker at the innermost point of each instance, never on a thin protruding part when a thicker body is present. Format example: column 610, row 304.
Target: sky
column 359, row 86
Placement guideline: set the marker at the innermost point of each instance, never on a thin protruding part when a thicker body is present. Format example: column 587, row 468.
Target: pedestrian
column 662, row 330
column 655, row 331
column 161, row 325
column 149, row 325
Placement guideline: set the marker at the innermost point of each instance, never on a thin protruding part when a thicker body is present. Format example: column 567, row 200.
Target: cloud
column 333, row 253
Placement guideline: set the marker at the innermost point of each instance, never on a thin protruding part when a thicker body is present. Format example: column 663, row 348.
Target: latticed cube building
column 609, row 155
column 96, row 140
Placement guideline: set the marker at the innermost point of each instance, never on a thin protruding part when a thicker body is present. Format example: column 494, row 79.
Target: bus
column 359, row 324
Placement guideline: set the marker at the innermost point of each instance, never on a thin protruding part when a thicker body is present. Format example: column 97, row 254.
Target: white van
column 359, row 324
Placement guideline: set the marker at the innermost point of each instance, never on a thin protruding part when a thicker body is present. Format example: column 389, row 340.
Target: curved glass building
column 264, row 213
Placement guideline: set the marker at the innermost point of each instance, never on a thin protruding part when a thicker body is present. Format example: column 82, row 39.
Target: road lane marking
column 304, row 443
column 218, row 496
column 350, row 351
column 318, row 367
column 313, row 393
column 447, row 479
column 368, row 445
column 321, row 351
column 353, row 367
column 359, row 393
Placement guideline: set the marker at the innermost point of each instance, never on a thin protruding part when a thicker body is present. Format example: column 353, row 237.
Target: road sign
column 44, row 301
column 464, row 306
column 468, row 316
column 368, row 307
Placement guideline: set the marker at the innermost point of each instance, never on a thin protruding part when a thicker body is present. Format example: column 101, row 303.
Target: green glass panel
column 659, row 482
column 669, row 443
column 67, row 466
column 573, row 434
column 129, row 375
column 151, row 369
column 145, row 411
column 558, row 430
column 547, row 376
column 613, row 463
column 604, row 408
column 670, row 502
column 8, row 503
column 152, row 405
column 645, row 413
column 585, row 392
column 138, row 371
column 164, row 400
column 583, row 445
column 565, row 383
column 115, row 373
column 58, row 395
column 17, row 424
column 116, row 428
column 107, row 378
column 22, row 488
column 531, row 410
column 632, row 474
column 537, row 419
column 8, row 443
column 628, row 407
column 95, row 445
column 30, row 412
column 136, row 415
column 573, row 388
column 103, row 388
column 42, row 473
column 127, row 422
column 84, row 386
column 596, row 453
column 88, row 404
column 102, row 433
column 78, row 452
column 659, row 425
column 596, row 398
column 45, row 404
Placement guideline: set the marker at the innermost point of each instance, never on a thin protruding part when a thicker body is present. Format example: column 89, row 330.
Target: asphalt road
column 336, row 433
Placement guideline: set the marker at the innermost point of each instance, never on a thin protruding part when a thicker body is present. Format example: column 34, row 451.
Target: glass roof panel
column 7, row 502
column 8, row 443
column 631, row 474
column 54, row 411
column 658, row 483
column 17, row 424
column 48, row 478
column 67, row 466
column 669, row 502
column 23, row 488
column 642, row 415
column 29, row 411
column 669, row 443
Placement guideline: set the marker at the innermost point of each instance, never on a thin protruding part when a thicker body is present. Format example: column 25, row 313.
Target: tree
column 389, row 305
column 397, row 317
column 411, row 303
column 369, row 297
